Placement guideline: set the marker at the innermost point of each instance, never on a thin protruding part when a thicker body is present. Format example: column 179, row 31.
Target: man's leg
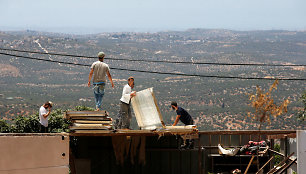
column 101, row 92
column 43, row 129
column 129, row 117
column 125, row 116
column 118, row 122
column 96, row 90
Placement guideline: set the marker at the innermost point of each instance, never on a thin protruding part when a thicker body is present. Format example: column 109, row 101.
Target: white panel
column 146, row 111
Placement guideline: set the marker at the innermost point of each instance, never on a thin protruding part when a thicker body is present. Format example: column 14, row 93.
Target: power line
column 157, row 72
column 156, row 61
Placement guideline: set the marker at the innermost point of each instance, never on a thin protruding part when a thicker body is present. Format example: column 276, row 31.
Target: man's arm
column 133, row 94
column 110, row 78
column 176, row 120
column 90, row 76
column 47, row 114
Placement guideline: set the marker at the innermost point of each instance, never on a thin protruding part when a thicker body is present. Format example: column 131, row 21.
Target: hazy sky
column 152, row 15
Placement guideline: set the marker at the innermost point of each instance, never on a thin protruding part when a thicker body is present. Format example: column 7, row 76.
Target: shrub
column 84, row 108
column 277, row 157
column 57, row 123
column 30, row 124
column 4, row 126
column 25, row 124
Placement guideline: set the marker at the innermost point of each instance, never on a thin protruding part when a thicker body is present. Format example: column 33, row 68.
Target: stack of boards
column 84, row 121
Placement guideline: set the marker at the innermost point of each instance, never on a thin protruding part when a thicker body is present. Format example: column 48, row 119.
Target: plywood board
column 92, row 122
column 89, row 126
column 70, row 114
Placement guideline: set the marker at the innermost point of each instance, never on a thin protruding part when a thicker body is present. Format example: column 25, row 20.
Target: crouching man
column 184, row 117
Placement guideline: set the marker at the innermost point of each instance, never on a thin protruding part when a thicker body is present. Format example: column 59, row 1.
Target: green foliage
column 30, row 124
column 57, row 123
column 25, row 124
column 277, row 158
column 84, row 108
column 302, row 114
column 4, row 126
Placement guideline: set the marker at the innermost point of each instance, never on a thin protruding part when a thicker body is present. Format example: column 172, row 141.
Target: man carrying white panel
column 125, row 116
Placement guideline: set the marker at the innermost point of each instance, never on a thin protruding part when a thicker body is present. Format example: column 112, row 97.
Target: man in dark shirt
column 185, row 118
column 182, row 115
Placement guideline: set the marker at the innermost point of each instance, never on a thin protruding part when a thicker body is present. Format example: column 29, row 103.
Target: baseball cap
column 101, row 54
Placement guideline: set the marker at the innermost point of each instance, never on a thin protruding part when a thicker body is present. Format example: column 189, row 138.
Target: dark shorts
column 43, row 129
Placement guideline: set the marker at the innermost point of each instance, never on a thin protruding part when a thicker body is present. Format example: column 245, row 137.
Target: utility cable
column 156, row 61
column 157, row 72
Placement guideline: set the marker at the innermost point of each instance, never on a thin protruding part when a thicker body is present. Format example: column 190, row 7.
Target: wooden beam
column 265, row 164
column 281, row 163
column 287, row 166
column 247, row 169
column 158, row 110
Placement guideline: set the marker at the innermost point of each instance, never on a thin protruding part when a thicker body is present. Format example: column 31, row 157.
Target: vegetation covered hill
column 214, row 103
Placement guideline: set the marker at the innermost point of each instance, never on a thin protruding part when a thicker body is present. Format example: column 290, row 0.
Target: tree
column 4, row 126
column 301, row 114
column 264, row 105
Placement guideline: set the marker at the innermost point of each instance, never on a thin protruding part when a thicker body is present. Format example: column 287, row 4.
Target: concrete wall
column 34, row 154
column 301, row 148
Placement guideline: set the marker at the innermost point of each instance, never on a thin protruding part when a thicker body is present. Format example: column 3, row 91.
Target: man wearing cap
column 124, row 118
column 44, row 112
column 99, row 70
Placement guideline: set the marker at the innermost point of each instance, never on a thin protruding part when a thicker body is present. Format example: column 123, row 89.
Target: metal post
column 286, row 148
column 199, row 155
column 272, row 162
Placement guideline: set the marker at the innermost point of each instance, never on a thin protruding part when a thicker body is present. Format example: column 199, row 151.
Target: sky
column 93, row 16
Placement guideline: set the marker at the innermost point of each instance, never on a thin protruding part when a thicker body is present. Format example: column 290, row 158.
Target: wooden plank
column 82, row 125
column 85, row 113
column 281, row 163
column 92, row 122
column 287, row 166
column 182, row 127
column 132, row 131
column 89, row 126
column 247, row 169
column 92, row 118
column 158, row 110
column 108, row 132
column 265, row 165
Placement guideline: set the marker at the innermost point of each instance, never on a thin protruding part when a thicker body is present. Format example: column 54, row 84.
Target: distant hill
column 214, row 103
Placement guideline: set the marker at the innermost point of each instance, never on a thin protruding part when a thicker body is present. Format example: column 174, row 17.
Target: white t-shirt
column 100, row 69
column 43, row 121
column 126, row 94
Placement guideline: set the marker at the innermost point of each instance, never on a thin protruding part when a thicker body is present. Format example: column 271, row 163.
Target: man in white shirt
column 124, row 118
column 99, row 70
column 44, row 112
